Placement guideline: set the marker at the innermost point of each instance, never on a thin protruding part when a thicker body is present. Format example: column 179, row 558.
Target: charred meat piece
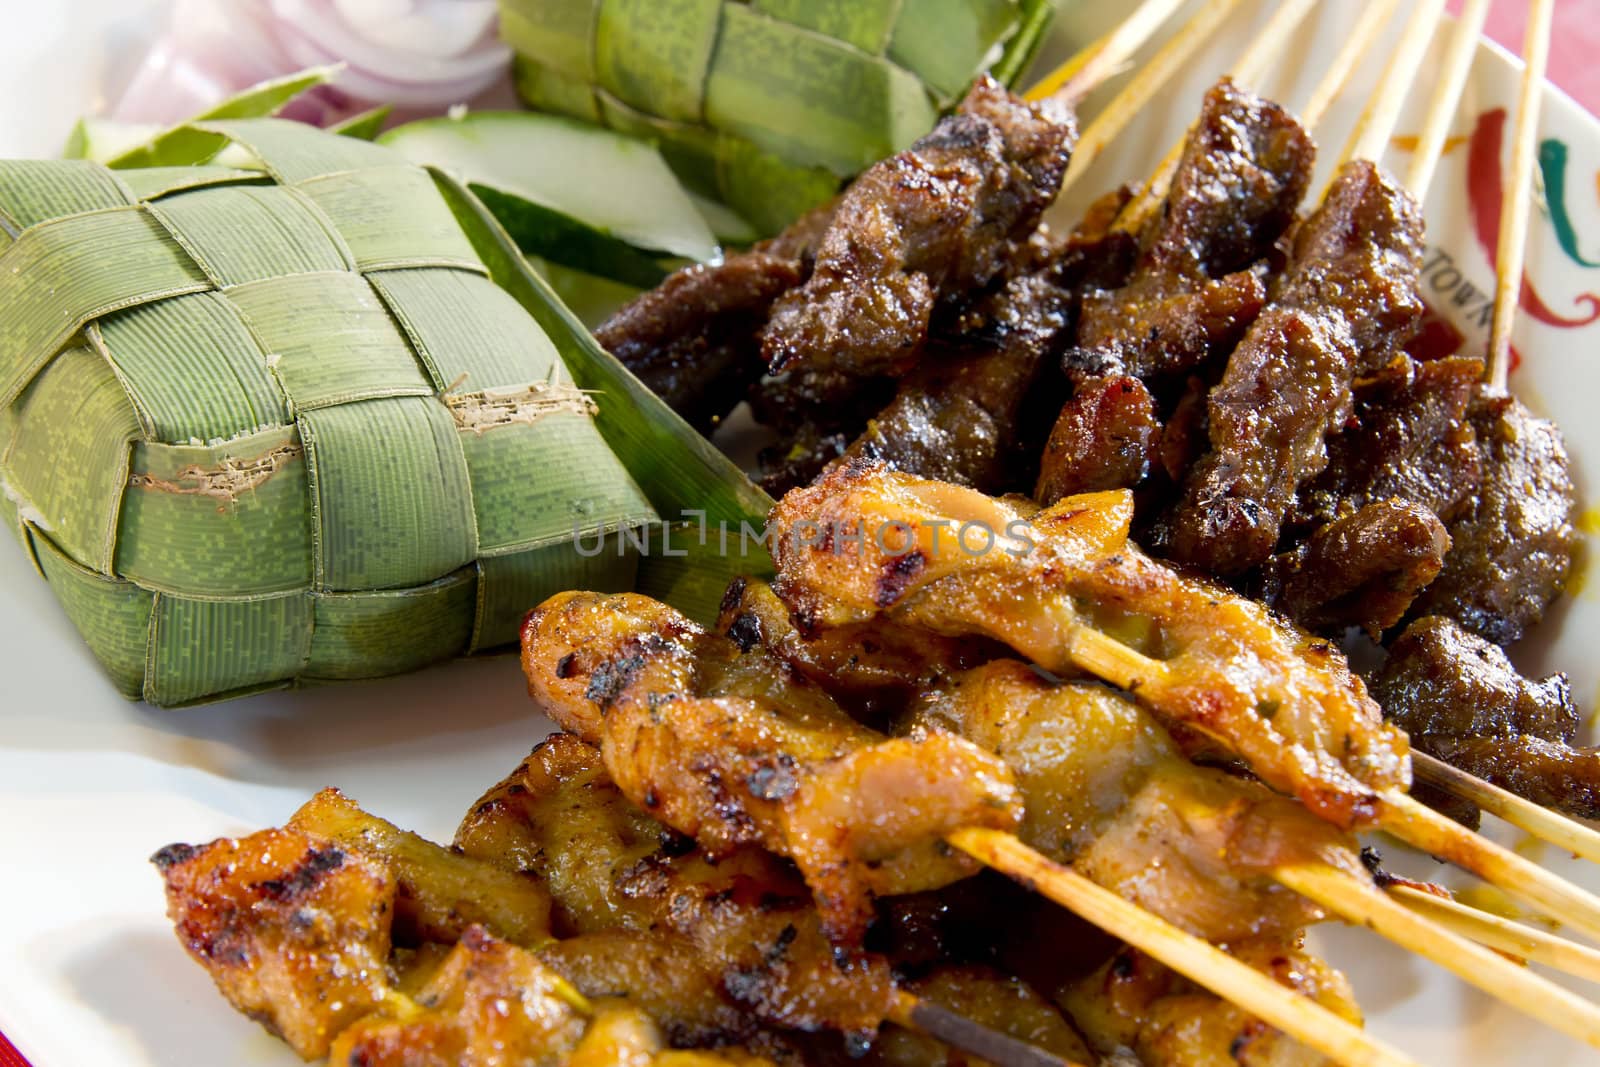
column 693, row 338
column 1238, row 185
column 730, row 748
column 1104, row 438
column 1346, row 301
column 816, row 413
column 1409, row 441
column 1511, row 552
column 1363, row 570
column 957, row 416
column 1135, row 1004
column 1269, row 694
column 932, row 223
column 292, row 928
column 1460, row 699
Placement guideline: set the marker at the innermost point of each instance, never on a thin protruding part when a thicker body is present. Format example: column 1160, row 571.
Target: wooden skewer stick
column 1515, row 208
column 1426, row 829
column 1436, row 127
column 1398, row 814
column 1516, row 939
column 1566, row 834
column 958, row 1031
column 1139, row 91
column 1373, row 16
column 1103, row 58
column 1376, row 125
column 1267, row 47
column 1200, row 961
column 1360, row 903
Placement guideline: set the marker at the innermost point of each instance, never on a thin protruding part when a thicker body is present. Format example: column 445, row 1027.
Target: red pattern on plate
column 9, row 1056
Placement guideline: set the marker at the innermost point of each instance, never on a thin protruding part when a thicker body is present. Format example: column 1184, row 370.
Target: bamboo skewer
column 1453, row 79
column 958, row 1031
column 1363, row 905
column 1334, row 80
column 1200, row 961
column 1376, row 125
column 1103, row 58
column 1511, row 248
column 1566, row 834
column 1516, row 939
column 1138, row 93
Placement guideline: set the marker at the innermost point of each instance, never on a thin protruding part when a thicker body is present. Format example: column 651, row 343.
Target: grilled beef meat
column 1104, row 438
column 929, row 224
column 958, row 416
column 1511, row 551
column 1460, row 699
column 1242, row 175
column 1363, row 569
column 692, row 339
column 1409, row 440
column 1346, row 301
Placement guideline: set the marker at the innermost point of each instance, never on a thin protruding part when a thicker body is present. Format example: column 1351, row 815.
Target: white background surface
column 91, row 785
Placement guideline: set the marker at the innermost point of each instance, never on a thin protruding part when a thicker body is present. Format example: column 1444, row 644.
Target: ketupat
column 765, row 104
column 269, row 426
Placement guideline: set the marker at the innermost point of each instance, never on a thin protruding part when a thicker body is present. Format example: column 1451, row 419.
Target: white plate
column 90, row 785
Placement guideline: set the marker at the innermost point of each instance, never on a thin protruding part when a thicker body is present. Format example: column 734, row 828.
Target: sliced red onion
column 421, row 55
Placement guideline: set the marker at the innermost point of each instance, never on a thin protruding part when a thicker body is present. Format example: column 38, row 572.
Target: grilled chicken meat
column 1460, row 699
column 1134, row 1004
column 731, row 749
column 930, row 224
column 1344, row 304
column 866, row 543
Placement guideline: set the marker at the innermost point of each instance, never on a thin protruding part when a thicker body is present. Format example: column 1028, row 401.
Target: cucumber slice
column 573, row 193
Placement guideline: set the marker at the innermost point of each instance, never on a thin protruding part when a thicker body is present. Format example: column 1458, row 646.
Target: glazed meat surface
column 1243, row 172
column 693, row 339
column 732, row 749
column 1282, row 701
column 1363, row 569
column 1108, row 792
column 1460, row 699
column 957, row 416
column 1104, row 438
column 1135, row 1004
column 1345, row 303
column 1410, row 441
column 1511, row 550
column 934, row 222
column 292, row 928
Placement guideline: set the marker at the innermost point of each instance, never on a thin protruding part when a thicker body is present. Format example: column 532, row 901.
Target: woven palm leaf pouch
column 306, row 418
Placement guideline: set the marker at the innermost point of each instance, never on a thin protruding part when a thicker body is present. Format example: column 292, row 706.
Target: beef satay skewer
column 1503, row 935
column 1374, row 15
column 1566, row 834
column 1515, row 209
column 1267, row 46
column 1376, row 125
column 1442, row 110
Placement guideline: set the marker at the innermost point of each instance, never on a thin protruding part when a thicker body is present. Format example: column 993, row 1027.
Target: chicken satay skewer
column 1398, row 814
column 1186, row 954
column 614, row 671
column 962, row 1033
column 1511, row 251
